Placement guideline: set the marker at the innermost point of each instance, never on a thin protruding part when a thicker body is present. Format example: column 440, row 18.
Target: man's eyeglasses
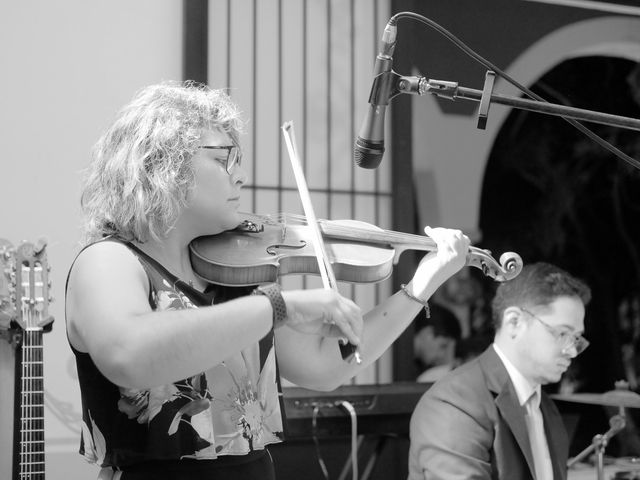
column 233, row 155
column 565, row 338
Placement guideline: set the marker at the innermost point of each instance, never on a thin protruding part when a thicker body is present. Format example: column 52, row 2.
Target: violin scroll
column 509, row 266
column 511, row 263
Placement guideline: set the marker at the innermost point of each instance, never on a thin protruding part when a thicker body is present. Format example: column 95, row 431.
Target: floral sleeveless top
column 234, row 408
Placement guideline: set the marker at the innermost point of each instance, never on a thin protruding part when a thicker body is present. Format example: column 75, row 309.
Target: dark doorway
column 551, row 194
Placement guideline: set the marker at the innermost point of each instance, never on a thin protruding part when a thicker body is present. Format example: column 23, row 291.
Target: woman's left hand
column 437, row 266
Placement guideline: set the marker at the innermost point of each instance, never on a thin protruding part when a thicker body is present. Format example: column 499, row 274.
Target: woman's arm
column 314, row 362
column 109, row 316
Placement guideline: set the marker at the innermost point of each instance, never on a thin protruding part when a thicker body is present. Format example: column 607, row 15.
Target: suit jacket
column 470, row 425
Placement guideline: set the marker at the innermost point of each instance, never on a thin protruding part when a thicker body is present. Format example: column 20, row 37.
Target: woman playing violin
column 181, row 378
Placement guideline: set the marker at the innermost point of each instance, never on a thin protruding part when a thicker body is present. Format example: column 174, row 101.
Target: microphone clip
column 384, row 88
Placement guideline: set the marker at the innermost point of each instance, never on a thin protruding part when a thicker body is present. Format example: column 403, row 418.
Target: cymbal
column 614, row 398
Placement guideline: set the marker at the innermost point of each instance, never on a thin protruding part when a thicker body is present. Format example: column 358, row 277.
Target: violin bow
column 349, row 351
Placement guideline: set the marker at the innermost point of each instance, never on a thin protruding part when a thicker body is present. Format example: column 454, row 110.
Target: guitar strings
column 32, row 427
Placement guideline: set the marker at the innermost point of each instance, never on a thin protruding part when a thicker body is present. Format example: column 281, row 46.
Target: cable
column 486, row 63
column 314, row 435
column 354, row 436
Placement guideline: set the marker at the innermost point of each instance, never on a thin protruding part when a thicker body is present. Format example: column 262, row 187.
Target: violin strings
column 389, row 236
column 386, row 235
column 482, row 257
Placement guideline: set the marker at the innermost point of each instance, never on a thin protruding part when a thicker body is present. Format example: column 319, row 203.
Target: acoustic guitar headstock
column 24, row 287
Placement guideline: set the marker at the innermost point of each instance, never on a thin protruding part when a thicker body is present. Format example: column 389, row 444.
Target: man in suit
column 489, row 419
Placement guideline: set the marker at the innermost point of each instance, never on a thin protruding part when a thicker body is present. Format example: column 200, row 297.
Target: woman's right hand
column 323, row 312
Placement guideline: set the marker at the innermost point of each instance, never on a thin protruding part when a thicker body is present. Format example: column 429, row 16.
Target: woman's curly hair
column 141, row 172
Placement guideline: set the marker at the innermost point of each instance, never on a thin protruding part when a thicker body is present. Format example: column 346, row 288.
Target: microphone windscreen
column 367, row 154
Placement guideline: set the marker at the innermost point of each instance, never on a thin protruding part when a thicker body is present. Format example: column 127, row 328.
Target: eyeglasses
column 233, row 155
column 564, row 338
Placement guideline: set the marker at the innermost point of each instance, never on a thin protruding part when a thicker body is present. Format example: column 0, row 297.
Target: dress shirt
column 529, row 398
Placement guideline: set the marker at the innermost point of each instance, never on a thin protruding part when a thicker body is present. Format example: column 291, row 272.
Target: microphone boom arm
column 452, row 91
column 369, row 145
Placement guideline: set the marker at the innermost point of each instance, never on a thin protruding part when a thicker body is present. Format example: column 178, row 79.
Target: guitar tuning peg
column 51, row 299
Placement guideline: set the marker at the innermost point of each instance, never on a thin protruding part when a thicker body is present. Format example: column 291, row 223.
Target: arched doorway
column 552, row 194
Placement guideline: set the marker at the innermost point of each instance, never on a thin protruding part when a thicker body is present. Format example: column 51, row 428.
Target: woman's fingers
column 346, row 321
column 323, row 312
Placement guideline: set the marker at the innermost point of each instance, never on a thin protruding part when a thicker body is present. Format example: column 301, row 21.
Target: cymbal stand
column 600, row 442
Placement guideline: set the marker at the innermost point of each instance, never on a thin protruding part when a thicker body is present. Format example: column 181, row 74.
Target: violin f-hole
column 273, row 249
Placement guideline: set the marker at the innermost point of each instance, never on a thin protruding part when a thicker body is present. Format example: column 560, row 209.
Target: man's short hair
column 442, row 320
column 538, row 284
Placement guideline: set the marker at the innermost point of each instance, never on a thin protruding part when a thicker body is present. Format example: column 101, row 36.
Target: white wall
column 67, row 66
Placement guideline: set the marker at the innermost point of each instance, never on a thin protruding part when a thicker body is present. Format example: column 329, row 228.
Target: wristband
column 424, row 303
column 273, row 292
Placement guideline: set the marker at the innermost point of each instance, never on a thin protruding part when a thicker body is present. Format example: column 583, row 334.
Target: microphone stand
column 600, row 442
column 387, row 84
column 452, row 91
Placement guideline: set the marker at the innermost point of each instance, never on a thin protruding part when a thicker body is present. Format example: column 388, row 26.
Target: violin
column 263, row 247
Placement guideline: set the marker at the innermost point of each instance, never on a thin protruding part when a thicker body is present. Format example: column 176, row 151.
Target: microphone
column 369, row 146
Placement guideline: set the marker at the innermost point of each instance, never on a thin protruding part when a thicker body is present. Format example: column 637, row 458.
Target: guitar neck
column 31, row 391
column 28, row 295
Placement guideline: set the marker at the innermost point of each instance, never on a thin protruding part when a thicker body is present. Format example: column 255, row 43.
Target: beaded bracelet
column 273, row 292
column 424, row 303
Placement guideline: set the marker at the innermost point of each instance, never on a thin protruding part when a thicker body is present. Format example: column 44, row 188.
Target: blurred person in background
column 435, row 342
